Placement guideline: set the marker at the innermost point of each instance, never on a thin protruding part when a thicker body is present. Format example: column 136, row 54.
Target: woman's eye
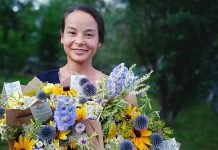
column 72, row 33
column 89, row 35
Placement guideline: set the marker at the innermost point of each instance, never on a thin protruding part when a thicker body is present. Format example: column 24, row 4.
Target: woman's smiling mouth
column 79, row 51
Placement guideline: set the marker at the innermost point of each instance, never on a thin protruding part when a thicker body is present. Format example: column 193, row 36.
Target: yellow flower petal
column 112, row 131
column 57, row 143
column 24, row 143
column 146, row 132
column 80, row 113
column 51, row 123
column 63, row 135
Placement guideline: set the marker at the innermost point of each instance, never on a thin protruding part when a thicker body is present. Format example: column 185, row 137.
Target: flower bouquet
column 56, row 116
column 49, row 116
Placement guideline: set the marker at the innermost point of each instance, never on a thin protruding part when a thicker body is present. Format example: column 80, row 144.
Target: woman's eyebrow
column 71, row 28
column 90, row 30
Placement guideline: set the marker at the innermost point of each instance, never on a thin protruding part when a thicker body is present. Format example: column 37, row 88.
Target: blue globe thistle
column 156, row 139
column 2, row 112
column 126, row 145
column 89, row 89
column 83, row 81
column 83, row 100
column 46, row 133
column 41, row 95
column 140, row 122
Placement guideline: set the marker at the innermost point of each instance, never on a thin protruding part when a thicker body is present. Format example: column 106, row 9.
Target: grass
column 196, row 128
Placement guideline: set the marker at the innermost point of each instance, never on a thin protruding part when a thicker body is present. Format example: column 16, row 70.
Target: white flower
column 80, row 127
column 107, row 146
column 93, row 110
column 39, row 144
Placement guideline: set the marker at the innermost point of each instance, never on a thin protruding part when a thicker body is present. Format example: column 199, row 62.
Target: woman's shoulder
column 100, row 75
column 49, row 76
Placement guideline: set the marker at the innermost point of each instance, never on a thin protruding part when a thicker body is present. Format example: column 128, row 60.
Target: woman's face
column 80, row 37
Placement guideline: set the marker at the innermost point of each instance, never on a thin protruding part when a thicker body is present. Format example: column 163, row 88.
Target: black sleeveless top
column 49, row 76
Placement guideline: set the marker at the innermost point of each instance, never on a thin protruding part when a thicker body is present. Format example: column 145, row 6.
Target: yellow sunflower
column 48, row 88
column 112, row 131
column 72, row 144
column 24, row 143
column 60, row 135
column 56, row 89
column 3, row 118
column 3, row 121
column 80, row 113
column 140, row 139
column 69, row 92
column 131, row 112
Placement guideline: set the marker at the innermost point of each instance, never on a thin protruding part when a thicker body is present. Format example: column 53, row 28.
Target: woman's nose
column 79, row 40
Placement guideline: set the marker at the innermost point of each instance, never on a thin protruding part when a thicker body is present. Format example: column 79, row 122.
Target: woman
column 82, row 33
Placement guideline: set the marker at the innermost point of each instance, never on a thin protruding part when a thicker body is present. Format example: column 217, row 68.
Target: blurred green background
column 177, row 39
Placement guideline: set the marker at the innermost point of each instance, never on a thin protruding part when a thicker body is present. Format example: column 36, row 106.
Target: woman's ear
column 99, row 45
column 61, row 35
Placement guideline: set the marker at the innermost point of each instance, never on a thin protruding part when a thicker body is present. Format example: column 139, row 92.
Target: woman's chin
column 79, row 59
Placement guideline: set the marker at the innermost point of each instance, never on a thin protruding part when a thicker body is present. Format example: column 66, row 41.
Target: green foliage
column 157, row 125
column 177, row 40
column 32, row 129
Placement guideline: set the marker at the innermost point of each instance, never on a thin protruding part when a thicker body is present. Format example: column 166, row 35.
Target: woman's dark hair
column 93, row 12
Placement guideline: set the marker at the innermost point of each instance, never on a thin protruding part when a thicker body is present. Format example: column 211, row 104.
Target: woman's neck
column 75, row 68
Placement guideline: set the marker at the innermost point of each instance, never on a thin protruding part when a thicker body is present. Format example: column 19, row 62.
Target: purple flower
column 116, row 80
column 46, row 133
column 83, row 140
column 64, row 115
column 89, row 89
column 2, row 112
column 156, row 139
column 63, row 98
column 140, row 122
column 83, row 81
column 100, row 101
column 80, row 127
column 126, row 145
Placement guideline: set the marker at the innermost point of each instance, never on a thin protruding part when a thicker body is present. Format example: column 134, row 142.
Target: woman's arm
column 131, row 99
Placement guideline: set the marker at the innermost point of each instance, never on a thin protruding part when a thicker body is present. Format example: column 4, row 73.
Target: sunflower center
column 137, row 133
column 22, row 149
column 127, row 117
column 66, row 88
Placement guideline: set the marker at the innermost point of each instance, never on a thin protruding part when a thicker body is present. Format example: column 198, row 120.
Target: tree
column 15, row 32
column 177, row 40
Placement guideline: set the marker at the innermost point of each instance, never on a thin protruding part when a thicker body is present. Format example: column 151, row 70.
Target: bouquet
column 49, row 116
column 86, row 117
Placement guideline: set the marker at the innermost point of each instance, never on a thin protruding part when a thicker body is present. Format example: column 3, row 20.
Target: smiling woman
column 82, row 33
